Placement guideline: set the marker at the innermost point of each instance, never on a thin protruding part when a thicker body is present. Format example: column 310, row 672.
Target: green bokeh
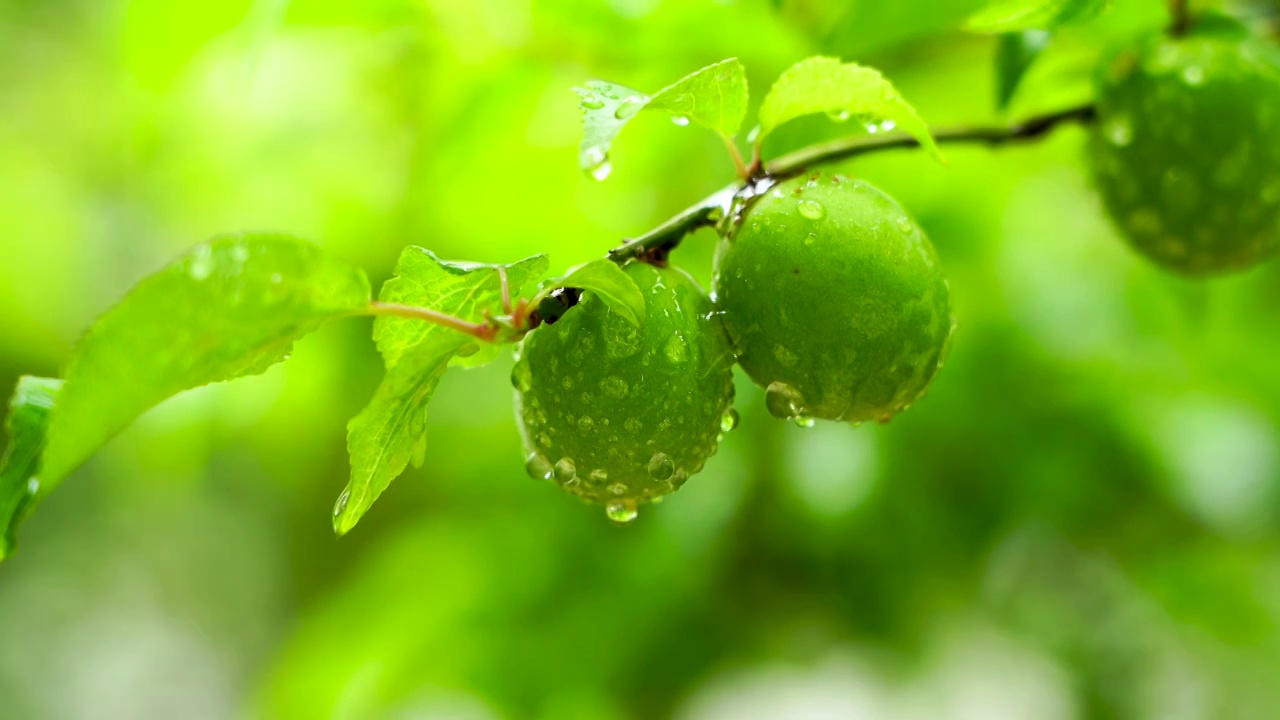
column 1081, row 520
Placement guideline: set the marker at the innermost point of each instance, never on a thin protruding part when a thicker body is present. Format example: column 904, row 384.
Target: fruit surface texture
column 1186, row 151
column 834, row 300
column 619, row 414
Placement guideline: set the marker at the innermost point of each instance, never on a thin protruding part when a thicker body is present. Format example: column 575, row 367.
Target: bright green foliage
column 462, row 289
column 391, row 430
column 1187, row 148
column 714, row 97
column 1016, row 52
column 615, row 288
column 27, row 424
column 834, row 300
column 618, row 414
column 230, row 307
column 1006, row 16
column 843, row 91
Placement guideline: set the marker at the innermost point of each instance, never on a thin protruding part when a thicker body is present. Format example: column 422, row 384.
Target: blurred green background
column 1082, row 520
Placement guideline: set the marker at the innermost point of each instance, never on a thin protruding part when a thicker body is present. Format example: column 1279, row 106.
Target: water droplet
column 598, row 475
column 783, row 401
column 341, row 505
column 680, row 120
column 618, row 489
column 676, row 350
column 810, row 239
column 33, row 486
column 621, row 512
column 522, row 377
column 1193, row 75
column 544, row 439
column 601, row 171
column 614, row 387
column 811, row 209
column 565, row 470
column 1118, row 131
column 201, row 262
column 729, row 420
column 888, row 125
column 630, row 106
column 592, row 103
column 661, row 467
column 633, row 425
column 905, row 226
column 539, row 467
column 804, row 422
column 838, row 115
column 585, row 423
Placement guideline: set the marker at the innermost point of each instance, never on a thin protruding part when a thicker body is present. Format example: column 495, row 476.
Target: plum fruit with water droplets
column 618, row 414
column 833, row 299
column 1186, row 150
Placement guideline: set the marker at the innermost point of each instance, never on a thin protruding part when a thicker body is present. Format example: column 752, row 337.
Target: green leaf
column 1015, row 54
column 27, row 425
column 391, row 430
column 1006, row 16
column 841, row 90
column 606, row 279
column 714, row 97
column 463, row 290
column 230, row 307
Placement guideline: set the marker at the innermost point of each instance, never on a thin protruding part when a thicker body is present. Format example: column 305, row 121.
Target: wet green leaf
column 714, row 97
column 27, row 424
column 391, row 430
column 230, row 307
column 843, row 91
column 607, row 280
column 463, row 290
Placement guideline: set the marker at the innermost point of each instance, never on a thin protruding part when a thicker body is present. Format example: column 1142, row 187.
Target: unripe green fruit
column 834, row 300
column 618, row 414
column 1187, row 148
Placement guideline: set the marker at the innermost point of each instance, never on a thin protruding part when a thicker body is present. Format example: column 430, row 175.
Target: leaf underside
column 607, row 280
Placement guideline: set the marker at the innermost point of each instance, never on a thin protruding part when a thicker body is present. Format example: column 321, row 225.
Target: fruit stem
column 654, row 245
column 482, row 331
column 1180, row 15
column 743, row 171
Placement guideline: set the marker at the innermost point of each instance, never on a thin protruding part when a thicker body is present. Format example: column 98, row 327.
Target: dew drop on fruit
column 598, row 475
column 629, row 107
column 618, row 489
column 661, row 467
column 680, row 120
column 614, row 387
column 804, row 422
column 905, row 226
column 621, row 512
column 522, row 377
column 585, row 423
column 811, row 209
column 783, row 401
column 729, row 420
column 539, row 467
column 565, row 470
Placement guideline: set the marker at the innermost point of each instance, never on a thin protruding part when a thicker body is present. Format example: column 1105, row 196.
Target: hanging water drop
column 783, row 401
column 729, row 420
column 621, row 512
column 601, row 171
column 522, row 377
column 804, row 422
column 539, row 467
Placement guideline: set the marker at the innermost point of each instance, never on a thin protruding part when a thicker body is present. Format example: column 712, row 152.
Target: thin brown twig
column 662, row 239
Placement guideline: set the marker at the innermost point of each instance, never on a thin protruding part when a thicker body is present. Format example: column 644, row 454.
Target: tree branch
column 1180, row 17
column 661, row 240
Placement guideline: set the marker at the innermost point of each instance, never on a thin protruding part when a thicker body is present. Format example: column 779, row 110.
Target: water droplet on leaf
column 811, row 209
column 629, row 107
column 729, row 420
